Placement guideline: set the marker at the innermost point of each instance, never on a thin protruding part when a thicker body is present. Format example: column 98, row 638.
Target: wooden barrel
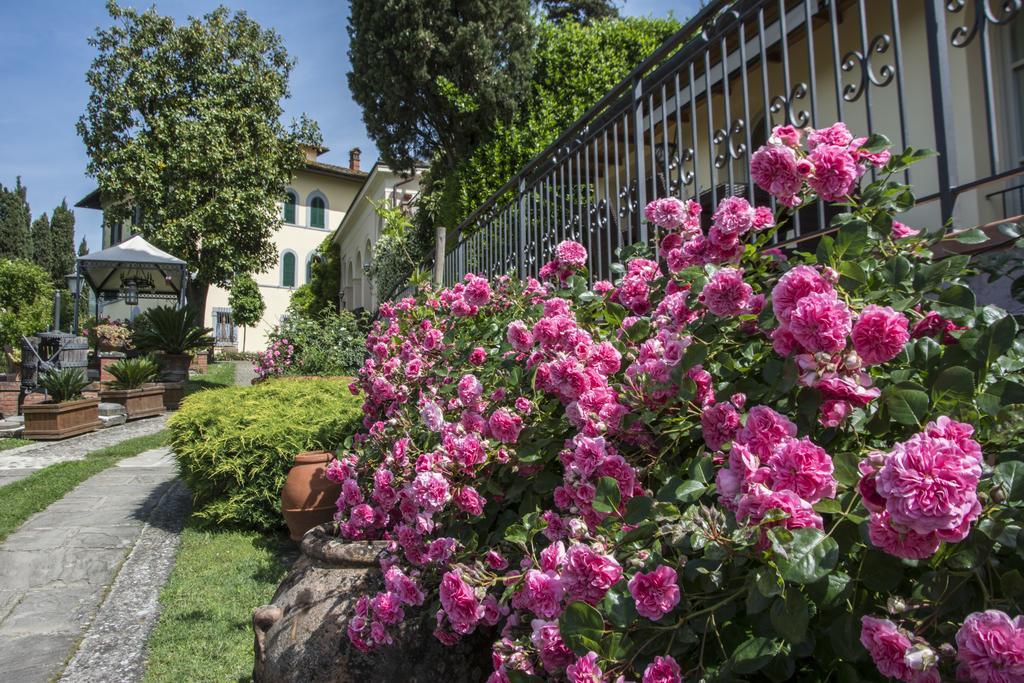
column 29, row 363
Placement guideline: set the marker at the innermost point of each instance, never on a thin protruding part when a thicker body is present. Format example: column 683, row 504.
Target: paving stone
column 112, row 420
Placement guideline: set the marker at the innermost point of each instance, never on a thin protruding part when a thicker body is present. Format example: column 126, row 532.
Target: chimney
column 353, row 158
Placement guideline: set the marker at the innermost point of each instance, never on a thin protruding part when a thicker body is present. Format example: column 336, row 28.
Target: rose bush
column 730, row 462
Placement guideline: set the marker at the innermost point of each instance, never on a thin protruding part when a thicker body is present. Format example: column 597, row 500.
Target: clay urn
column 309, row 498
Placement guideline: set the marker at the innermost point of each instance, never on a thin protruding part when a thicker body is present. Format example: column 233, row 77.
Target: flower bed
column 728, row 463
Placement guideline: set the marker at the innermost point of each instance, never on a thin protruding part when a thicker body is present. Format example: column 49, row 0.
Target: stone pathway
column 55, row 570
column 20, row 462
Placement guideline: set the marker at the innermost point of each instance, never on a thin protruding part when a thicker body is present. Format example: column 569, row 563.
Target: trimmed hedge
column 234, row 446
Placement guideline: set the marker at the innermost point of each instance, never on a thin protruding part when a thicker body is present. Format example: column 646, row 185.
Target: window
column 289, row 207
column 309, row 268
column 287, row 269
column 316, row 212
column 223, row 327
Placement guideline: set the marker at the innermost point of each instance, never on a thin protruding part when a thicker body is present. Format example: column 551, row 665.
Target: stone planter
column 302, row 635
column 308, row 497
column 47, row 421
column 173, row 393
column 201, row 361
column 145, row 401
column 10, row 395
column 174, row 366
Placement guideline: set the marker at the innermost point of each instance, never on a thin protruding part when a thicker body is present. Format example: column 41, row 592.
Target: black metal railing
column 927, row 73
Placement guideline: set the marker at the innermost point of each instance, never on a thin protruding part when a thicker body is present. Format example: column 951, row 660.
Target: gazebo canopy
column 156, row 273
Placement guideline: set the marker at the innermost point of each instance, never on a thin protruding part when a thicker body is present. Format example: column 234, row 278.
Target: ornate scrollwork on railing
column 962, row 35
column 798, row 117
column 724, row 136
column 628, row 198
column 879, row 45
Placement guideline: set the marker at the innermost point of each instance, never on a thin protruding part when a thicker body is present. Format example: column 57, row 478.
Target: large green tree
column 15, row 223
column 183, row 124
column 432, row 76
column 62, row 238
column 83, row 247
column 42, row 243
column 580, row 11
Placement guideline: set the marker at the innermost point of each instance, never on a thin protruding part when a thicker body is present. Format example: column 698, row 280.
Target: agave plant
column 64, row 384
column 132, row 373
column 171, row 330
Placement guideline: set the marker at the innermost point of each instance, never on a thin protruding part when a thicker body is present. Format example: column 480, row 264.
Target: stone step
column 111, row 409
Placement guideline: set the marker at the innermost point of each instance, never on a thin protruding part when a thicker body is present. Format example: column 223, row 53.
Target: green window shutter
column 288, row 269
column 316, row 213
column 289, row 208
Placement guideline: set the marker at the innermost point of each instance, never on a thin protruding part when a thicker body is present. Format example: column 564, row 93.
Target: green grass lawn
column 25, row 497
column 7, row 444
column 205, row 627
column 217, row 375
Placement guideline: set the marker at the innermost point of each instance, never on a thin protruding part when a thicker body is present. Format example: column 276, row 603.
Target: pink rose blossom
column 733, row 217
column 719, row 424
column 899, row 542
column 459, row 603
column 879, row 334
column 990, row 648
column 571, row 253
column 835, row 172
column 804, row 468
column 519, row 336
column 764, row 430
column 470, row 390
column 430, row 491
column 505, row 426
column 901, row 230
column 656, row 593
column 662, row 670
column 554, row 655
column 795, row 285
column 820, row 322
column 588, row 575
column 401, row 585
column 889, row 648
column 541, row 593
column 670, row 213
column 478, row 356
column 726, row 294
column 837, row 134
column 585, row 670
column 773, row 168
column 787, row 135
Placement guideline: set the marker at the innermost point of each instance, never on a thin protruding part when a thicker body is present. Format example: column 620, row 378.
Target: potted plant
column 112, row 336
column 132, row 387
column 171, row 333
column 67, row 413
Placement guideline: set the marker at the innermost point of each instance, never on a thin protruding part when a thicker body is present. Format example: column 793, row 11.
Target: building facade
column 315, row 203
column 360, row 229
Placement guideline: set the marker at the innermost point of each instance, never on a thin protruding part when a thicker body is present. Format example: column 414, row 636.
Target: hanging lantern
column 131, row 293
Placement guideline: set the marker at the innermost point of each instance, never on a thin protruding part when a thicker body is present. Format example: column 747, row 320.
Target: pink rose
column 430, row 491
column 719, row 424
column 662, row 670
column 795, row 285
column 990, row 648
column 571, row 254
column 477, row 356
column 901, row 230
column 820, row 322
column 585, row 670
column 519, row 336
column 726, row 294
column 401, row 585
column 804, row 468
column 889, row 647
column 656, row 593
column 541, row 593
column 773, row 168
column 764, row 430
column 879, row 334
column 899, row 541
column 835, row 172
column 837, row 134
column 787, row 135
column 477, row 291
column 459, row 603
column 671, row 213
column 546, row 637
column 505, row 426
column 469, row 501
column 588, row 575
column 470, row 390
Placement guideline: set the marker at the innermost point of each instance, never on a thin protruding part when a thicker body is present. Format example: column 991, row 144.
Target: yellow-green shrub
column 234, row 446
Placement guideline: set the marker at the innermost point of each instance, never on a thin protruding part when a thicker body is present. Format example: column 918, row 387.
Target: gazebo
column 132, row 270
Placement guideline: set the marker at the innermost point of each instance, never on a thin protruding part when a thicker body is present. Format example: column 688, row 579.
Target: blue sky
column 44, row 57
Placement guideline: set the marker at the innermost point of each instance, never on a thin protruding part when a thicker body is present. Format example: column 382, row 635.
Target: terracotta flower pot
column 309, row 498
column 145, row 401
column 174, row 367
column 61, row 420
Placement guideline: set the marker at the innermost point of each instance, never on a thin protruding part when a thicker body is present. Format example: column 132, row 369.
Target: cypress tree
column 15, row 231
column 62, row 231
column 83, row 247
column 42, row 243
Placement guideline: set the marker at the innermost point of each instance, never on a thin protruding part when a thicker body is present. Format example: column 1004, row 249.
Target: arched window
column 289, row 207
column 316, row 212
column 309, row 266
column 288, row 269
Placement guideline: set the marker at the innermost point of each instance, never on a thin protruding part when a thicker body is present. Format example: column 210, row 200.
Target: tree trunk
column 197, row 291
column 245, row 329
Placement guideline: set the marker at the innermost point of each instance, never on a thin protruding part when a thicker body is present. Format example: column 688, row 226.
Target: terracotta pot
column 309, row 498
column 173, row 393
column 174, row 367
column 60, row 420
column 145, row 401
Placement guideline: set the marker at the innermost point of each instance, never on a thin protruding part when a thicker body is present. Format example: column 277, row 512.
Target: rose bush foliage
column 728, row 463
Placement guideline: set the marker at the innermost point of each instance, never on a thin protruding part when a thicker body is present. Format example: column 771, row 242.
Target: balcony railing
column 932, row 74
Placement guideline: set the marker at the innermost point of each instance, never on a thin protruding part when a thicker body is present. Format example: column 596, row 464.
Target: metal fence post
column 522, row 228
column 638, row 142
column 942, row 106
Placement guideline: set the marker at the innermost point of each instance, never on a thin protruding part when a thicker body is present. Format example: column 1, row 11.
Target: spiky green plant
column 171, row 330
column 132, row 373
column 65, row 384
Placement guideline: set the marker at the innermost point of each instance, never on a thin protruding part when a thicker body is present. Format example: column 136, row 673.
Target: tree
column 321, row 292
column 183, row 125
column 15, row 219
column 26, row 300
column 62, row 251
column 246, row 302
column 83, row 247
column 42, row 243
column 580, row 11
column 432, row 76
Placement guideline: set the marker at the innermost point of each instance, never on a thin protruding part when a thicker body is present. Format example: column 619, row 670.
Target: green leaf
column 606, row 499
column 993, row 342
column 956, row 381
column 906, row 406
column 754, row 655
column 806, row 557
column 516, row 533
column 790, row 616
column 876, row 142
column 582, row 628
column 972, row 236
column 851, row 240
column 881, row 572
column 1009, row 476
column 517, row 676
column 638, row 509
column 957, row 302
column 897, row 271
column 619, row 606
